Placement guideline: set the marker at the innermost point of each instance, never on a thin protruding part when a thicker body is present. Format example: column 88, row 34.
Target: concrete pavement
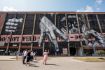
column 7, row 58
column 54, row 63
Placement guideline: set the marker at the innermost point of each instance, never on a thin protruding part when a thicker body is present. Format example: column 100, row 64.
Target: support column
column 80, row 51
column 54, row 46
column 43, row 43
column 81, row 46
column 33, row 32
column 2, row 21
column 87, row 21
column 43, row 46
column 9, row 39
column 68, row 51
column 22, row 33
column 99, row 23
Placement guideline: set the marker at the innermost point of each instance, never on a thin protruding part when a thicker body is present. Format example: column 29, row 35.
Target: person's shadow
column 33, row 65
column 52, row 64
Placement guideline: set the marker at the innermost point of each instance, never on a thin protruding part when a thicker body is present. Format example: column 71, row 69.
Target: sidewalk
column 7, row 58
column 54, row 63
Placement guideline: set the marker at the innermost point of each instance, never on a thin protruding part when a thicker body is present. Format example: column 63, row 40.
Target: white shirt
column 25, row 53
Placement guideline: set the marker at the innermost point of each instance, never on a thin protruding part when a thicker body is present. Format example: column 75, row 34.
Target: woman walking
column 45, row 56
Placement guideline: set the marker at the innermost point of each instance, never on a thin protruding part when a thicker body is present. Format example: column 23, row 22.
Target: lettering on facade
column 35, row 38
column 12, row 24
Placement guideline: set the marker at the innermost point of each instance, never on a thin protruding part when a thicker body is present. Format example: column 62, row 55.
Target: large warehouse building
column 21, row 30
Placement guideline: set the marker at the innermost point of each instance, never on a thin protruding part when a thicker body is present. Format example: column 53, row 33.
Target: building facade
column 21, row 30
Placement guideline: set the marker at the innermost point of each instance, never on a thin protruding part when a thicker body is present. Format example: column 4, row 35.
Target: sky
column 53, row 5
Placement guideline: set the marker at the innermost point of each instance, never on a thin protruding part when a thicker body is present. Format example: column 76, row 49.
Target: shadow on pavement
column 33, row 65
column 53, row 64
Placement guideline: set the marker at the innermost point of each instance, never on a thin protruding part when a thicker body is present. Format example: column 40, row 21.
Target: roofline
column 54, row 12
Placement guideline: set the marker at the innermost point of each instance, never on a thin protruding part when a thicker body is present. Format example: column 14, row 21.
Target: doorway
column 72, row 51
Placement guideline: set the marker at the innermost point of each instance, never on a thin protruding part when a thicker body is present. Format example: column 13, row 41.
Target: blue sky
column 53, row 5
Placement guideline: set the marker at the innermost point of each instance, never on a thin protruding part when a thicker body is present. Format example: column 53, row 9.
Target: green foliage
column 101, row 52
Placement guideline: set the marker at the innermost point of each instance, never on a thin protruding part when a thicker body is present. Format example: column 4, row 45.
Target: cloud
column 86, row 9
column 99, row 1
column 97, row 9
column 6, row 8
column 98, row 4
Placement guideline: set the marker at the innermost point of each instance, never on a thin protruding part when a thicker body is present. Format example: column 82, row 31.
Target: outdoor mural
column 58, row 29
column 47, row 29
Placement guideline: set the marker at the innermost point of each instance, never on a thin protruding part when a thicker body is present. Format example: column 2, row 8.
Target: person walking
column 35, row 55
column 28, row 57
column 24, row 56
column 32, row 55
column 45, row 57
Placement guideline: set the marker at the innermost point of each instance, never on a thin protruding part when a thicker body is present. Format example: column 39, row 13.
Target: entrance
column 73, row 47
column 72, row 51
